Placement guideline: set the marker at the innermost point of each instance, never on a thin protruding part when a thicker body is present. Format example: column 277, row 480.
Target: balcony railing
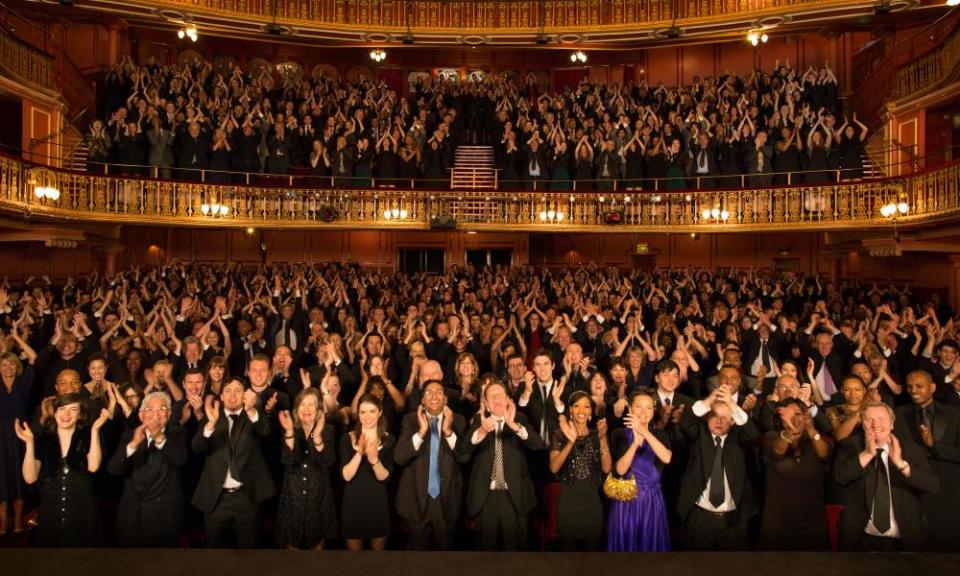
column 474, row 15
column 24, row 62
column 929, row 196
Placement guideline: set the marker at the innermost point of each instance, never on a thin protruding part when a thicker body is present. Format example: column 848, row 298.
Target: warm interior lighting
column 953, row 2
column 578, row 56
column 205, row 208
column 378, row 55
column 48, row 192
column 188, row 31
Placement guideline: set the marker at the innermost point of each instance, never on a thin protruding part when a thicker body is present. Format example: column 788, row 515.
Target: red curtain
column 394, row 78
column 568, row 78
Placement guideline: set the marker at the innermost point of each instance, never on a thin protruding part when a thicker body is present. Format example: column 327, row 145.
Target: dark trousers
column 236, row 514
column 499, row 526
column 705, row 530
column 432, row 532
column 869, row 543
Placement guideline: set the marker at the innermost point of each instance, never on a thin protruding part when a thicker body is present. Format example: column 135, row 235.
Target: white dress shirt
column 894, row 530
column 704, row 501
column 417, row 439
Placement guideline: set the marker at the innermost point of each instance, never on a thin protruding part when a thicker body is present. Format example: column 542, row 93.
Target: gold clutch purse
column 621, row 489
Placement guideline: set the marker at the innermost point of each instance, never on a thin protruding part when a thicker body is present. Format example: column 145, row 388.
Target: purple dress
column 640, row 525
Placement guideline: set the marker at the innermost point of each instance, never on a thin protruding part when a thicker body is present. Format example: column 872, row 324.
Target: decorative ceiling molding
column 514, row 23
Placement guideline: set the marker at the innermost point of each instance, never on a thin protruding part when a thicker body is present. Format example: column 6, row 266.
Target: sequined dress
column 579, row 507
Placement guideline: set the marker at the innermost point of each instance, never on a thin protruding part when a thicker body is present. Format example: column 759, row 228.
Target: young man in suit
column 883, row 479
column 235, row 478
column 716, row 498
column 150, row 513
column 935, row 427
column 501, row 494
column 431, row 487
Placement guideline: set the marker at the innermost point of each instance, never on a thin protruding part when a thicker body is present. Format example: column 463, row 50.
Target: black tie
column 881, row 500
column 666, row 401
column 234, row 432
column 716, row 476
column 926, row 417
column 286, row 334
column 764, row 354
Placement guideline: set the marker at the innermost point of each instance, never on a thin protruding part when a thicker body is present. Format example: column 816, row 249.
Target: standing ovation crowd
column 193, row 121
column 305, row 406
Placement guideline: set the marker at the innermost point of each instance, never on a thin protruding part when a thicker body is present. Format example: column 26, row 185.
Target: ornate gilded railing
column 930, row 69
column 476, row 15
column 929, row 196
column 24, row 62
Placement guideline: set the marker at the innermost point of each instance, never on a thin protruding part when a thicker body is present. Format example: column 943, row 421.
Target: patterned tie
column 433, row 481
column 765, row 354
column 499, row 479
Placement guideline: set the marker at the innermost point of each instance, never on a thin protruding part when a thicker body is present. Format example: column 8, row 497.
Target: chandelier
column 378, row 55
column 188, row 31
column 578, row 56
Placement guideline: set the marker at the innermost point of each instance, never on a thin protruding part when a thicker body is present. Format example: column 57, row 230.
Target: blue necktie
column 433, row 483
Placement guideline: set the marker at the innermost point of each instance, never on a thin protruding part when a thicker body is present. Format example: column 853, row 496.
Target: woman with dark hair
column 366, row 454
column 796, row 458
column 218, row 373
column 307, row 514
column 580, row 456
column 639, row 451
column 16, row 381
column 64, row 455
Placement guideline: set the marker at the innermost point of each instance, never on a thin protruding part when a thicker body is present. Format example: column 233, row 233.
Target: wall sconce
column 716, row 215
column 395, row 214
column 188, row 31
column 757, row 37
column 46, row 193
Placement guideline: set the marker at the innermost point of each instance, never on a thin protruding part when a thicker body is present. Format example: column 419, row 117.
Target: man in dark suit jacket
column 672, row 408
column 883, row 477
column 935, row 427
column 501, row 494
column 534, row 169
column 235, row 479
column 431, row 488
column 762, row 350
column 716, row 497
column 827, row 348
column 194, row 152
column 703, row 161
column 150, row 513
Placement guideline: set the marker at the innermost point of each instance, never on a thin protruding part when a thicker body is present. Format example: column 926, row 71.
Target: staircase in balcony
column 473, row 169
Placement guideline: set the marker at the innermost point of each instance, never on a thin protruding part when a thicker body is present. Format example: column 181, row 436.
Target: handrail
column 932, row 195
column 298, row 179
column 24, row 61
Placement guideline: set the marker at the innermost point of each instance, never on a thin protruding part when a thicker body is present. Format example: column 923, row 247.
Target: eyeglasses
column 155, row 410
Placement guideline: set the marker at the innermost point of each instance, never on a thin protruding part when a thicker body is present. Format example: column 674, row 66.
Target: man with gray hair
column 883, row 477
column 150, row 513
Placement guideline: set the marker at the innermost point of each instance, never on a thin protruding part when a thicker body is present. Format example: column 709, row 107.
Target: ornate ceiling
column 609, row 23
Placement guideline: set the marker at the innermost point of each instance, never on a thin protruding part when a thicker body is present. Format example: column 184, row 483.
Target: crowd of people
column 328, row 405
column 191, row 121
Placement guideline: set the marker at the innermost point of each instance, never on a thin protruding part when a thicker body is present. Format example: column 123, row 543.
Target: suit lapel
column 939, row 421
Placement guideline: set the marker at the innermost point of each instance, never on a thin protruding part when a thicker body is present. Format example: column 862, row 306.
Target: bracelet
column 290, row 437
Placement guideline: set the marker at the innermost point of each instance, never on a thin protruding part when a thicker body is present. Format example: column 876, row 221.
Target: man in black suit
column 535, row 164
column 501, row 493
column 883, row 479
column 716, row 497
column 150, row 513
column 935, row 427
column 194, row 152
column 431, row 487
column 830, row 349
column 945, row 369
column 235, row 479
column 543, row 399
column 703, row 161
column 763, row 349
column 672, row 408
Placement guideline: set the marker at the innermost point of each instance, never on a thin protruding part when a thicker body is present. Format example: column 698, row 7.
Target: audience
column 429, row 406
column 223, row 124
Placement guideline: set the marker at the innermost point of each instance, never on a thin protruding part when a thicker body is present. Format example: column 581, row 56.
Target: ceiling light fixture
column 578, row 56
column 188, row 31
column 378, row 55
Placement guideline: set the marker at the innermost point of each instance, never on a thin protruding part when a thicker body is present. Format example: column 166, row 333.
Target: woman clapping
column 64, row 456
column 307, row 514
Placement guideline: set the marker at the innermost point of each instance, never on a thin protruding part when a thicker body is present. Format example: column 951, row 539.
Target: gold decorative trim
column 931, row 197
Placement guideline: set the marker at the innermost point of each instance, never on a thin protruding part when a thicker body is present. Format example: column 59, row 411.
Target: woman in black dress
column 17, row 381
column 409, row 163
column 64, row 456
column 786, row 158
column 366, row 454
column 850, row 151
column 796, row 458
column 584, row 165
column 387, row 168
column 319, row 164
column 307, row 514
column 580, row 457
